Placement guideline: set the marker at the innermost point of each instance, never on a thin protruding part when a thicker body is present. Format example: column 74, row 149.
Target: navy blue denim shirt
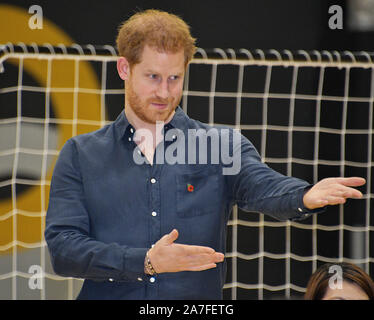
column 105, row 211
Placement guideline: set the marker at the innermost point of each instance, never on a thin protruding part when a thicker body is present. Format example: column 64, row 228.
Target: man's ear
column 123, row 68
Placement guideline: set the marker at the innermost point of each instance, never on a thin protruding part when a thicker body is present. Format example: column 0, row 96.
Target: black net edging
column 214, row 53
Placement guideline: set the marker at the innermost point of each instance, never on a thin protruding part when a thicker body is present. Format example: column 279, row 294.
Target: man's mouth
column 159, row 105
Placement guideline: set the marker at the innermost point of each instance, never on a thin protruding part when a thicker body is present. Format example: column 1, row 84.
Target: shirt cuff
column 302, row 211
column 134, row 263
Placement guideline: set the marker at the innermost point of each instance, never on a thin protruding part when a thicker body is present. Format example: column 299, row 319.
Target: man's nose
column 163, row 90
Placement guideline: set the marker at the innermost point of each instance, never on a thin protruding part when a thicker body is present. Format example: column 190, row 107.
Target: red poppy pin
column 190, row 187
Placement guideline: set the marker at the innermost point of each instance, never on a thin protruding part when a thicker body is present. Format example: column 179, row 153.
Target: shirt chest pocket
column 197, row 194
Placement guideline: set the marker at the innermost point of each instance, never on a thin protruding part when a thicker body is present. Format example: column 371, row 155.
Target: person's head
column 155, row 48
column 160, row 30
column 339, row 281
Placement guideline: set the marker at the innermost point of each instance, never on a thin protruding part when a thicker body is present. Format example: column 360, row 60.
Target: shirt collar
column 121, row 125
column 124, row 127
column 180, row 119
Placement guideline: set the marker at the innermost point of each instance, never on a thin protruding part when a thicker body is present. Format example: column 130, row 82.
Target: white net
column 310, row 115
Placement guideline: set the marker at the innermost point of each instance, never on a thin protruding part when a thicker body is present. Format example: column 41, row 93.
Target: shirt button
column 154, row 213
column 300, row 210
column 140, row 279
column 129, row 139
column 131, row 130
column 152, row 280
column 110, row 279
column 153, row 180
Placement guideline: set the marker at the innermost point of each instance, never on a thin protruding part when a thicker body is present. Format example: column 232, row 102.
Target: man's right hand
column 167, row 256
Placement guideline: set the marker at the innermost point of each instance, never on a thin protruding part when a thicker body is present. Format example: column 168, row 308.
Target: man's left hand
column 331, row 191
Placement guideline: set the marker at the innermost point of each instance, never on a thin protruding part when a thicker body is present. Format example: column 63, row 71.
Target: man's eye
column 174, row 77
column 153, row 76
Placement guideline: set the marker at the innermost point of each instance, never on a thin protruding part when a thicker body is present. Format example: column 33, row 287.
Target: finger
column 346, row 192
column 201, row 260
column 205, row 258
column 351, row 181
column 202, row 267
column 219, row 256
column 352, row 193
column 171, row 237
column 196, row 250
column 331, row 200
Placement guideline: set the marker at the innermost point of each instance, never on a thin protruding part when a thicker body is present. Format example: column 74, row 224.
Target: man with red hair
column 115, row 222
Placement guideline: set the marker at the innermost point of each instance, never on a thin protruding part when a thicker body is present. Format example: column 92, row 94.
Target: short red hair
column 158, row 29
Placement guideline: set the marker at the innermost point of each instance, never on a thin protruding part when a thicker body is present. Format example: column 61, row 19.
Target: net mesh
column 309, row 114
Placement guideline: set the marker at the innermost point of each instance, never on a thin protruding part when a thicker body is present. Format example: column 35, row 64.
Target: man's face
column 155, row 85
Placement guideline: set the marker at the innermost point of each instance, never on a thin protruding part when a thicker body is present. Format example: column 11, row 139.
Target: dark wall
column 265, row 24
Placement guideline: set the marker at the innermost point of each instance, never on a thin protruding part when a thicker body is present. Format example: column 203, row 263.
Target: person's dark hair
column 319, row 281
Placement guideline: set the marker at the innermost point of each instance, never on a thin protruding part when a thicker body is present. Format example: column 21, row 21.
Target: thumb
column 172, row 236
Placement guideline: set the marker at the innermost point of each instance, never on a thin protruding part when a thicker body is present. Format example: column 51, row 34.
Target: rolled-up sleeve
column 73, row 251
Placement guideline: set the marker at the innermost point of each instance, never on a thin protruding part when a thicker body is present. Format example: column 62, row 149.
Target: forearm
column 76, row 255
column 283, row 202
column 259, row 188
